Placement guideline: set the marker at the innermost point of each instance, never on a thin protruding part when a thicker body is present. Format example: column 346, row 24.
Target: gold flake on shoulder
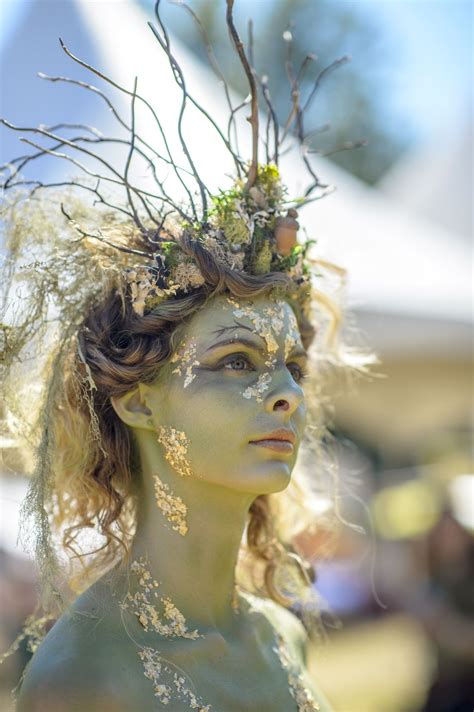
column 155, row 669
column 153, row 666
column 172, row 506
column 176, row 445
column 303, row 697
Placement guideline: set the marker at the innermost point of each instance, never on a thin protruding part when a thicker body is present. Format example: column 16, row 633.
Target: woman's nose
column 284, row 394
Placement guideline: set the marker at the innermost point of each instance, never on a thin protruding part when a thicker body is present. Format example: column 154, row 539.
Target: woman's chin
column 267, row 478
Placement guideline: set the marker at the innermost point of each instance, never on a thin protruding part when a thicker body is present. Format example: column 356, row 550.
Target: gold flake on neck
column 298, row 690
column 257, row 391
column 155, row 667
column 172, row 506
column 168, row 621
column 176, row 445
column 186, row 360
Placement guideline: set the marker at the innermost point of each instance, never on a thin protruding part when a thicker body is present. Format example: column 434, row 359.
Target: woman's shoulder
column 292, row 640
column 81, row 663
column 285, row 623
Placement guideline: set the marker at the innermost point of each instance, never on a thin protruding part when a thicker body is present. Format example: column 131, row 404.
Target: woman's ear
column 132, row 409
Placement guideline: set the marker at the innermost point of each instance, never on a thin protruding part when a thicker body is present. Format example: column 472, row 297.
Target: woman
column 173, row 411
column 213, row 434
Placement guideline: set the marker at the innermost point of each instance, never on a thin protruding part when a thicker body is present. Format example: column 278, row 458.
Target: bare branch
column 146, row 103
column 77, row 147
column 217, row 71
column 39, row 185
column 346, row 146
column 98, row 92
column 114, row 181
column 273, row 119
column 179, row 78
column 252, row 173
column 298, row 114
column 84, row 234
column 322, row 74
column 231, row 123
column 129, row 159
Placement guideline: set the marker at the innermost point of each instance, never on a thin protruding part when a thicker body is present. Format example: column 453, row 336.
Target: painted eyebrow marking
column 233, row 342
column 238, row 325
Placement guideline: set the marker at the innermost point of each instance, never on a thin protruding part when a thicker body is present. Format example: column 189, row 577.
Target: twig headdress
column 251, row 227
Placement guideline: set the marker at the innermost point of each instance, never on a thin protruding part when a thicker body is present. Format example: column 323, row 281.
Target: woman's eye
column 237, row 363
column 298, row 373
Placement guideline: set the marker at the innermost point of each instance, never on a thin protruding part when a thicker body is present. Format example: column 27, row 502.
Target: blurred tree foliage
column 354, row 100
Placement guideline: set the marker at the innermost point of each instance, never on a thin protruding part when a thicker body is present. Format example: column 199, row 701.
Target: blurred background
column 398, row 590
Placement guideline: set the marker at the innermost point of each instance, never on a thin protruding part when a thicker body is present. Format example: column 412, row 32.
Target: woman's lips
column 277, row 445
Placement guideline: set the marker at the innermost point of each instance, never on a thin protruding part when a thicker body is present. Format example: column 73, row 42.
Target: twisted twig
column 238, row 44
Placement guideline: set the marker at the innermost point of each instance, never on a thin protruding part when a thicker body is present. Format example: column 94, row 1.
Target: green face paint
column 247, row 364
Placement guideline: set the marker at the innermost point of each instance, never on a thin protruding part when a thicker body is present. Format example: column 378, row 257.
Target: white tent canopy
column 400, row 267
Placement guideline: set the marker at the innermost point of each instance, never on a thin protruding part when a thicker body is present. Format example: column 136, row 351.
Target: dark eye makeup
column 241, row 362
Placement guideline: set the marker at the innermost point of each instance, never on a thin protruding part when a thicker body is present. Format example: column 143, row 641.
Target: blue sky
column 435, row 40
column 432, row 74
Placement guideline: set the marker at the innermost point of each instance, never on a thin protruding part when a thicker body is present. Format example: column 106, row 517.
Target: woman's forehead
column 259, row 314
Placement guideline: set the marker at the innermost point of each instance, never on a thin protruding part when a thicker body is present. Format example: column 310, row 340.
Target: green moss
column 171, row 252
column 269, row 182
column 262, row 259
column 235, row 229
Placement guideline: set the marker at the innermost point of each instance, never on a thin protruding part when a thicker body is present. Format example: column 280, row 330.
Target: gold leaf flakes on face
column 186, row 360
column 293, row 337
column 168, row 621
column 155, row 669
column 298, row 690
column 271, row 362
column 257, row 391
column 172, row 506
column 262, row 325
column 268, row 325
column 176, row 445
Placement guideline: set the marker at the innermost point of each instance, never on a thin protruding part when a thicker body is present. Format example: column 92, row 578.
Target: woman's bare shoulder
column 80, row 664
column 285, row 623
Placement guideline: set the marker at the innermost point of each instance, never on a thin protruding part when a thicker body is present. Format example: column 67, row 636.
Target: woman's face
column 229, row 407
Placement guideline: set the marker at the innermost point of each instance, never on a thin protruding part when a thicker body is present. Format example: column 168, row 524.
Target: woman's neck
column 192, row 556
